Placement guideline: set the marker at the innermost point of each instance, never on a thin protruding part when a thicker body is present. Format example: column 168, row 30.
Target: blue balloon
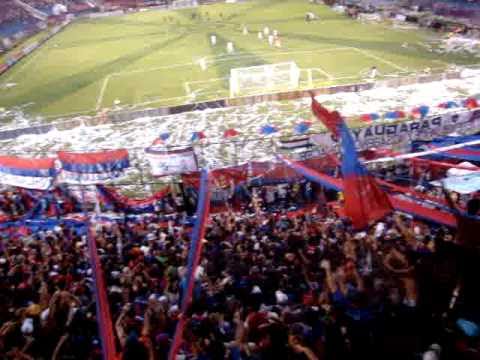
column 424, row 110
column 268, row 129
column 301, row 128
column 164, row 136
column 391, row 115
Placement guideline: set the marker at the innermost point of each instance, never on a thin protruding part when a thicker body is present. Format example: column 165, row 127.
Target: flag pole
column 194, row 254
column 104, row 318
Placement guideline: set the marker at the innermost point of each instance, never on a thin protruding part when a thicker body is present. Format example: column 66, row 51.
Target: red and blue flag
column 93, row 167
column 27, row 173
column 365, row 202
column 331, row 120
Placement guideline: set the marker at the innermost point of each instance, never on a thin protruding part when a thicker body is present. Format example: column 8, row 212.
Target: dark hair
column 473, row 206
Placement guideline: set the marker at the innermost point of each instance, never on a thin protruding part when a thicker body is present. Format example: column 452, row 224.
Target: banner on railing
column 385, row 134
column 92, row 168
column 224, row 186
column 27, row 173
column 170, row 162
column 111, row 196
column 272, row 173
column 469, row 152
column 300, row 143
column 465, row 184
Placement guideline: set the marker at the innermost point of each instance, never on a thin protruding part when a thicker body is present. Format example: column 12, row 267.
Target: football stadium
column 239, row 179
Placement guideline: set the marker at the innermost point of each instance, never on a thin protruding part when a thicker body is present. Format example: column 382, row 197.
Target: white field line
column 226, row 57
column 158, row 99
column 274, row 53
column 378, row 58
column 204, row 81
column 323, row 72
column 102, row 92
column 188, row 84
column 73, row 114
column 166, row 67
column 187, row 87
column 223, row 58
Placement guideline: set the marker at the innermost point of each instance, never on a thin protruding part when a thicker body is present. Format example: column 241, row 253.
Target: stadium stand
column 277, row 271
column 282, row 276
column 14, row 19
column 135, row 3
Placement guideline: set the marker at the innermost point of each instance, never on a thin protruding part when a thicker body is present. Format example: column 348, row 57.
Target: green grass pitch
column 150, row 59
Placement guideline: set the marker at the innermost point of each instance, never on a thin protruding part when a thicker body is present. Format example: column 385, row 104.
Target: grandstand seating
column 135, row 3
column 461, row 8
column 14, row 19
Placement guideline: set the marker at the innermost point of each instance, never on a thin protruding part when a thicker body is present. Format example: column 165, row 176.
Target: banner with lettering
column 386, row 134
column 170, row 162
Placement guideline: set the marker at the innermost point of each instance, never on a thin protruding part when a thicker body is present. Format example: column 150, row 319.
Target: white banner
column 27, row 182
column 466, row 184
column 292, row 144
column 387, row 134
column 68, row 177
column 170, row 162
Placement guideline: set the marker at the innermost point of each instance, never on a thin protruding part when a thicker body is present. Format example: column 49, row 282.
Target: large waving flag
column 27, row 173
column 331, row 120
column 365, row 202
column 92, row 168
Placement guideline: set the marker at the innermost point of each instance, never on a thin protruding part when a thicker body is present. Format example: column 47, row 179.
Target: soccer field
column 150, row 59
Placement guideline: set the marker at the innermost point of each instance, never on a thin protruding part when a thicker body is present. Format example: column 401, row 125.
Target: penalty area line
column 102, row 92
column 373, row 56
column 324, row 73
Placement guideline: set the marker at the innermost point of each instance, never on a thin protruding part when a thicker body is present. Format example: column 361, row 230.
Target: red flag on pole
column 331, row 120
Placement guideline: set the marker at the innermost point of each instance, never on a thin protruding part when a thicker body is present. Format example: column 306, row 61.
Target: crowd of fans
column 276, row 281
column 11, row 12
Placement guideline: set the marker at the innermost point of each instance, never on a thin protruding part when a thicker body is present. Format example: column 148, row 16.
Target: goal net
column 264, row 78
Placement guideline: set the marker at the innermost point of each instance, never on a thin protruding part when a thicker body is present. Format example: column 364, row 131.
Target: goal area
column 264, row 79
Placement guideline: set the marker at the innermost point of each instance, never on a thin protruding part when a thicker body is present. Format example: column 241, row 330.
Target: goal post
column 264, row 78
